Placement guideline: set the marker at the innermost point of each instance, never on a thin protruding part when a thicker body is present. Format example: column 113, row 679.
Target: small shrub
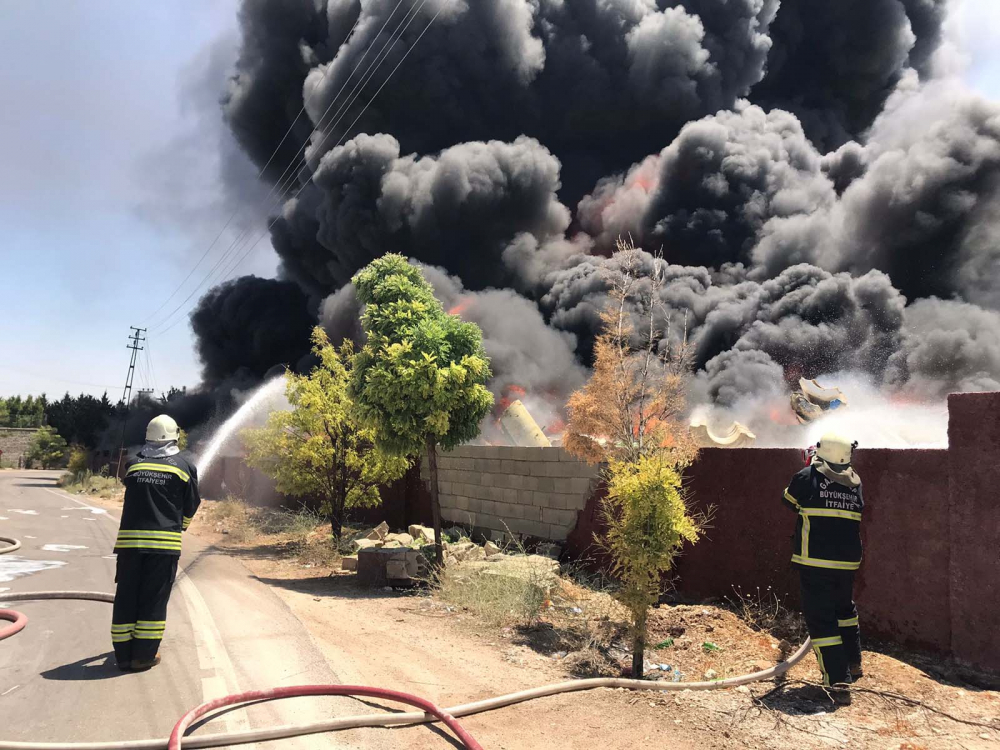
column 648, row 520
column 88, row 483
column 79, row 460
column 48, row 448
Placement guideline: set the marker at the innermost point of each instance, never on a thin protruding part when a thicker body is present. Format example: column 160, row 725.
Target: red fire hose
column 429, row 711
column 427, row 707
column 17, row 618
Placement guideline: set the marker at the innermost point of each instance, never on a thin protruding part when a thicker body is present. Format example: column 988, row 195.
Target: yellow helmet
column 162, row 429
column 835, row 449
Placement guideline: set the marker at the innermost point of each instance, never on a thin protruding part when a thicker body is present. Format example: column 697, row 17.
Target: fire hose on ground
column 428, row 711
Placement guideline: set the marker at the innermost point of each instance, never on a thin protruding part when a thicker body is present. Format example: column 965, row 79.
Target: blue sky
column 108, row 191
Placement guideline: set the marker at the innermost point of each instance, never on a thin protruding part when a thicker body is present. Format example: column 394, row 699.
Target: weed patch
column 88, row 483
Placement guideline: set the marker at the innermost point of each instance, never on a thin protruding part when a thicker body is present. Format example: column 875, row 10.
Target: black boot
column 840, row 694
column 142, row 666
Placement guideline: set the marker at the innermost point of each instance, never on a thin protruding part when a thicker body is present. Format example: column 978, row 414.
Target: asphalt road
column 226, row 632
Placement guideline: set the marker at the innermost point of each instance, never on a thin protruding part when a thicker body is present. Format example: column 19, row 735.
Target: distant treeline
column 80, row 420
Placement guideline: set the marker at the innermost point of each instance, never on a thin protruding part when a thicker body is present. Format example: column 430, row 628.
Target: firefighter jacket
column 161, row 498
column 828, row 530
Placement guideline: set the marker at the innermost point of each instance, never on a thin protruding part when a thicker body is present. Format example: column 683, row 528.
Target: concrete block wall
column 536, row 492
column 14, row 442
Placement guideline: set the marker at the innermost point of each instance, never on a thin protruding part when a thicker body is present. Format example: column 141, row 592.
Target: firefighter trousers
column 832, row 619
column 140, row 610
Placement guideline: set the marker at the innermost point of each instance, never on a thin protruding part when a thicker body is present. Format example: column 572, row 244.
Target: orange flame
column 461, row 306
column 556, row 427
column 510, row 394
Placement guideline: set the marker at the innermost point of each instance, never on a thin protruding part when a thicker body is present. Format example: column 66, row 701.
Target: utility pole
column 134, row 340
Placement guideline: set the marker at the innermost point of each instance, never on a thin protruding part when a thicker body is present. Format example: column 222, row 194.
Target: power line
column 361, row 113
column 281, row 184
column 149, row 364
column 259, row 175
column 243, row 257
column 243, row 240
column 134, row 340
column 53, row 377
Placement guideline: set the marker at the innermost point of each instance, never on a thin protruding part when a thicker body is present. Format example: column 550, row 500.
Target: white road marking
column 212, row 654
column 13, row 566
column 95, row 511
column 4, row 518
column 61, row 547
column 24, row 512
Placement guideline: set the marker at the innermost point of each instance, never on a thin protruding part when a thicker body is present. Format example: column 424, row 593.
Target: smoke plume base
column 872, row 417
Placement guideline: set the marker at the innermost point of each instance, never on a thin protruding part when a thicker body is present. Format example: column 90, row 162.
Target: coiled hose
column 428, row 713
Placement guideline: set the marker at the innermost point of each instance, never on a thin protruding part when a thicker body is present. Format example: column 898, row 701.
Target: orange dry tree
column 630, row 417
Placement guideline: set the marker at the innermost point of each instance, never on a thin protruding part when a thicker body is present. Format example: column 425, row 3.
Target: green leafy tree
column 419, row 381
column 79, row 460
column 630, row 417
column 647, row 522
column 4, row 413
column 182, row 440
column 25, row 412
column 318, row 449
column 47, row 448
column 80, row 420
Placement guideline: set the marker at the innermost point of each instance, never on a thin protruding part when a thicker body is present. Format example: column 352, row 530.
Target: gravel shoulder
column 413, row 642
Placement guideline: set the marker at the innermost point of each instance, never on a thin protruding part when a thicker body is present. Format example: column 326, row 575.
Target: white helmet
column 162, row 429
column 835, row 449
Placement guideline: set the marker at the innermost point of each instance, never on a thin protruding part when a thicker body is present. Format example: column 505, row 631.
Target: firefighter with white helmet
column 826, row 548
column 161, row 498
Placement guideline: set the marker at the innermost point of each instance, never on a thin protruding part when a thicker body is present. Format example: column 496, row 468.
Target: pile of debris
column 735, row 435
column 812, row 400
column 383, row 558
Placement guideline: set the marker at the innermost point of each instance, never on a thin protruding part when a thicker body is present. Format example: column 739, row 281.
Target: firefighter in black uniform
column 161, row 498
column 826, row 548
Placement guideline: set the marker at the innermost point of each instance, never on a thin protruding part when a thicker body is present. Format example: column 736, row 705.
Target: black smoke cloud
column 524, row 351
column 461, row 207
column 813, row 198
column 601, row 83
column 834, row 64
column 248, row 326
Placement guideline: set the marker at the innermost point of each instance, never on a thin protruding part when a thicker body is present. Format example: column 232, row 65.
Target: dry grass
column 89, row 483
column 765, row 612
column 496, row 600
column 301, row 534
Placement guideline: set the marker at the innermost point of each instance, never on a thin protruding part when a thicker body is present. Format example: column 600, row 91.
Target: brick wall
column 536, row 492
column 14, row 442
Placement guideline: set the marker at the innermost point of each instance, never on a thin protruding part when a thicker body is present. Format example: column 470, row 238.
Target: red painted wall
column 931, row 571
column 905, row 535
column 974, row 505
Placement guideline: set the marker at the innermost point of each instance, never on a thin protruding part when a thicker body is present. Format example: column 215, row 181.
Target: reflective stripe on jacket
column 828, row 529
column 161, row 498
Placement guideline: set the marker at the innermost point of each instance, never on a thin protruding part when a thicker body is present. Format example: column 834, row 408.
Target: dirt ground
column 412, row 642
